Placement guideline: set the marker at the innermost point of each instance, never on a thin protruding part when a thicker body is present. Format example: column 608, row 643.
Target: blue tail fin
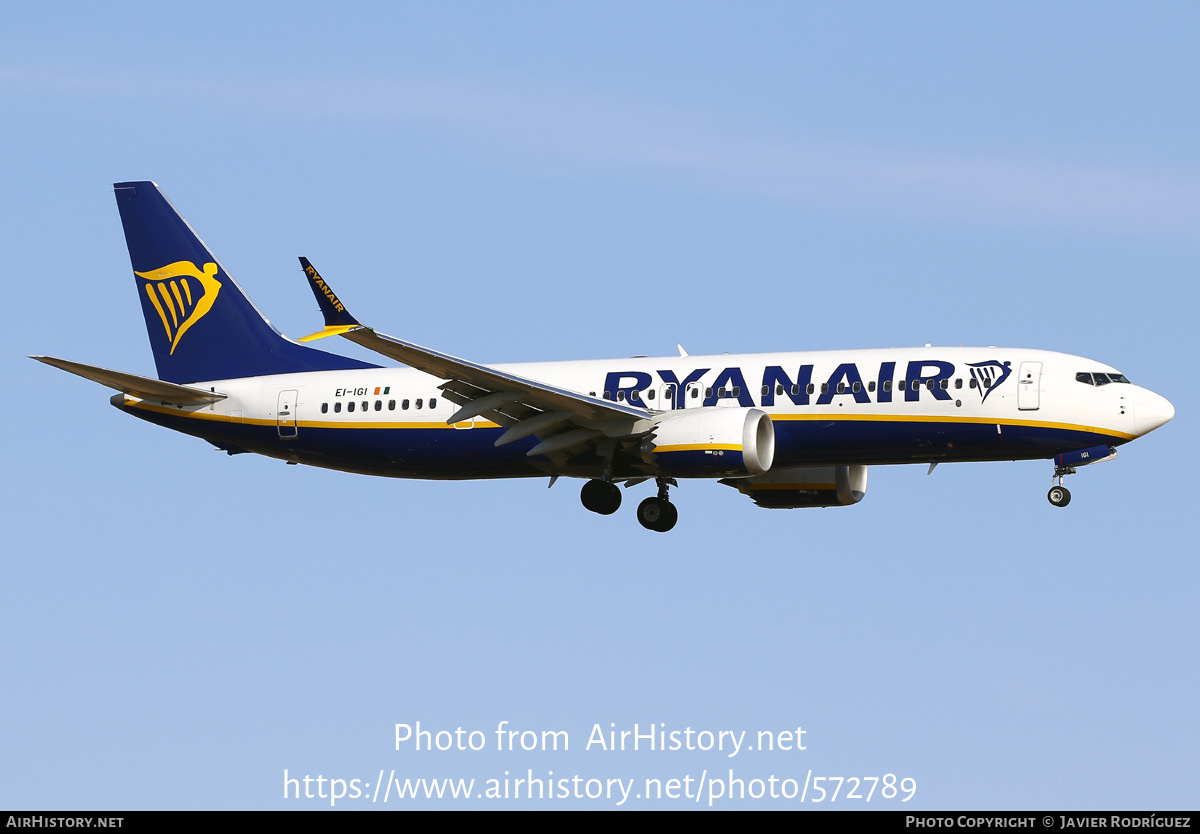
column 201, row 325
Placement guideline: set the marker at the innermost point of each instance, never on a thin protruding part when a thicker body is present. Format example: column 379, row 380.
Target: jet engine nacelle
column 808, row 486
column 708, row 442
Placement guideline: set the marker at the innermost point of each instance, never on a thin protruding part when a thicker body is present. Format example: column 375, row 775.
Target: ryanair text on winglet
column 320, row 282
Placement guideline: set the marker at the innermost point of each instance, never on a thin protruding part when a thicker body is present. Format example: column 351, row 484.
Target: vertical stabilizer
column 201, row 325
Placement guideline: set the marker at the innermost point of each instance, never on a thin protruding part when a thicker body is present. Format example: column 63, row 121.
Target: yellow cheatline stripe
column 327, row 424
column 334, row 330
column 187, row 289
column 195, row 415
column 166, row 296
column 695, row 447
column 349, row 424
column 161, row 313
column 308, row 424
column 987, row 421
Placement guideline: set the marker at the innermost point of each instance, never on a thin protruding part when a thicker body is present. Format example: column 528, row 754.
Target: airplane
column 787, row 430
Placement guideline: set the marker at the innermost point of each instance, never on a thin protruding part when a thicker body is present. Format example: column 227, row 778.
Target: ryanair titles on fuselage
column 923, row 377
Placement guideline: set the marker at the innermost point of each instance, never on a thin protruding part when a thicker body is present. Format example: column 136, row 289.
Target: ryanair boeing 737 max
column 786, row 429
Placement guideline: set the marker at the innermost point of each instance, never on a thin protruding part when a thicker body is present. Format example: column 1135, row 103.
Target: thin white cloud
column 590, row 127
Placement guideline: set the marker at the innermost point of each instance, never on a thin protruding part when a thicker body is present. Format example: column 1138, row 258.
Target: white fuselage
column 829, row 407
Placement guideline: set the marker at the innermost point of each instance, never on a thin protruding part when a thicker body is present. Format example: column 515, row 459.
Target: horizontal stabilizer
column 138, row 386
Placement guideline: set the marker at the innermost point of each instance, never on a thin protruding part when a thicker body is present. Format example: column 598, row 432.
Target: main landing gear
column 656, row 513
column 1059, row 495
column 602, row 497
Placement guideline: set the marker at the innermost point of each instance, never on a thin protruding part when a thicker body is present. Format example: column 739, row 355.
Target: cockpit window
column 1101, row 378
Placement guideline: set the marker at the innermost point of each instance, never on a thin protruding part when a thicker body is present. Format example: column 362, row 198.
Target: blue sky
column 520, row 182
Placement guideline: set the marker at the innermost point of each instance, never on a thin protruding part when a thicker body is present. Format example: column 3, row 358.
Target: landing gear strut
column 1059, row 495
column 658, row 513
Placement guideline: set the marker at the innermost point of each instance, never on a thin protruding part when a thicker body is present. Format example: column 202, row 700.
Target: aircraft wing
column 564, row 418
column 141, row 387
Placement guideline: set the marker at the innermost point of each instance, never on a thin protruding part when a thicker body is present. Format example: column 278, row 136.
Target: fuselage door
column 285, row 414
column 1029, row 386
column 693, row 395
column 666, row 394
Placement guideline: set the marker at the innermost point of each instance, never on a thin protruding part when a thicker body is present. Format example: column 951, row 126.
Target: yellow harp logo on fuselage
column 178, row 304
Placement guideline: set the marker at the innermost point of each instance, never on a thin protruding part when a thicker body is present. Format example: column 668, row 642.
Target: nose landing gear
column 1059, row 495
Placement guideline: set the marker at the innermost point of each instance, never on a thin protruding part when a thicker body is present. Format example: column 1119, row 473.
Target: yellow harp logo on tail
column 180, row 304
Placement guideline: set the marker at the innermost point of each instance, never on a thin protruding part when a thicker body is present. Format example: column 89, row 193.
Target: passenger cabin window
column 887, row 385
column 337, row 408
column 350, row 406
column 871, row 385
column 391, row 405
column 973, row 382
column 404, row 405
column 856, row 387
column 379, row 405
column 324, row 408
column 841, row 389
column 366, row 405
column 795, row 390
column 418, row 403
column 958, row 383
column 433, row 402
column 811, row 388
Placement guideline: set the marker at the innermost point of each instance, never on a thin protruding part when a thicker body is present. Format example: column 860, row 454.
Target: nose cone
column 1150, row 411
